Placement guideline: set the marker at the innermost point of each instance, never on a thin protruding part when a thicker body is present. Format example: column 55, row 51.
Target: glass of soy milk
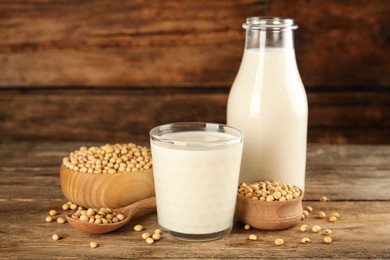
column 196, row 169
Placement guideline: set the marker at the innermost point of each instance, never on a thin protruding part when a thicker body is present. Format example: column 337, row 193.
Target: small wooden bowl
column 106, row 190
column 269, row 215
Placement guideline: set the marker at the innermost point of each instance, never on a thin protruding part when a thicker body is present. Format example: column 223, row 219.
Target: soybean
column 279, row 242
column 61, row 220
column 73, row 206
column 65, row 206
column 308, row 208
column 146, row 235
column 269, row 191
column 316, row 228
column 328, row 232
column 304, row 228
column 321, row 214
column 252, row 237
column 324, row 199
column 98, row 216
column 328, row 240
column 52, row 212
column 109, row 159
column 138, row 228
column 156, row 236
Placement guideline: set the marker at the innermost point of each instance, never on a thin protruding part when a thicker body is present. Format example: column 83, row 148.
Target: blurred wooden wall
column 110, row 70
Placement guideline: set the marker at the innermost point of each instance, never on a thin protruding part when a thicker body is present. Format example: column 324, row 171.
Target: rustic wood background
column 108, row 71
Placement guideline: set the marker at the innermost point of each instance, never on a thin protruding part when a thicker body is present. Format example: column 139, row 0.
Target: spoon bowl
column 128, row 211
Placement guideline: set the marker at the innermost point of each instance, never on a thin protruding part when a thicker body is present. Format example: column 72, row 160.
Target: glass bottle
column 268, row 102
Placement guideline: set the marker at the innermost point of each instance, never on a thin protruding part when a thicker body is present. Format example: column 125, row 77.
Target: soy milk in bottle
column 268, row 102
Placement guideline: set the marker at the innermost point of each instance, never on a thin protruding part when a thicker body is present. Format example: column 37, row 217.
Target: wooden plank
column 118, row 116
column 184, row 43
column 331, row 170
column 354, row 177
column 348, row 155
column 49, row 154
column 339, row 43
column 348, row 135
column 127, row 115
column 333, row 182
column 361, row 232
column 138, row 43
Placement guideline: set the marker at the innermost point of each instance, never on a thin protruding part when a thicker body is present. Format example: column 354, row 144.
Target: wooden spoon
column 128, row 212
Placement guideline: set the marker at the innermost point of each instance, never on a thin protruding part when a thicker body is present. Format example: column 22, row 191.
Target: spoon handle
column 142, row 205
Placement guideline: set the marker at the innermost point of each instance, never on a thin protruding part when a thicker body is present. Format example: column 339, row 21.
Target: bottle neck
column 262, row 39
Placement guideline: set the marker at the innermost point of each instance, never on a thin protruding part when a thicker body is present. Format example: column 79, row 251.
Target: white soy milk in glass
column 196, row 169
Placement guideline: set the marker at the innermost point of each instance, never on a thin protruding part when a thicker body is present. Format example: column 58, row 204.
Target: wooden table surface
column 355, row 178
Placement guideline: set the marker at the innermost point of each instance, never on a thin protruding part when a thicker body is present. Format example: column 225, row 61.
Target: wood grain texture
column 184, row 43
column 33, row 165
column 359, row 233
column 110, row 70
column 340, row 43
column 128, row 115
column 354, row 177
column 122, row 43
column 264, row 215
column 106, row 190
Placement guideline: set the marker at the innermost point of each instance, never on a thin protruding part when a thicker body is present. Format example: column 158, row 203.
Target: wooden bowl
column 269, row 215
column 106, row 190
